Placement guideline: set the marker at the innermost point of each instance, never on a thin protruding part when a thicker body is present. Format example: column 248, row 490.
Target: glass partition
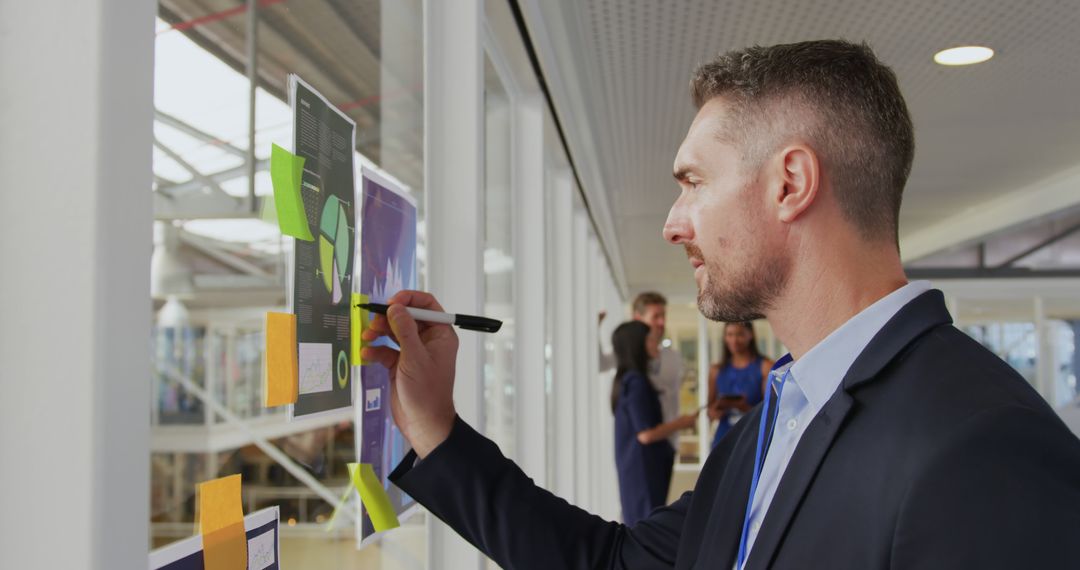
column 220, row 262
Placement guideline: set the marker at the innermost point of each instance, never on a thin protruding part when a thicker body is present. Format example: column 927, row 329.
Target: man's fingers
column 379, row 324
column 418, row 299
column 385, row 356
column 369, row 335
column 405, row 330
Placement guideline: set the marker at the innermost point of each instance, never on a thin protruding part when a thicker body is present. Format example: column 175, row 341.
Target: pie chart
column 335, row 242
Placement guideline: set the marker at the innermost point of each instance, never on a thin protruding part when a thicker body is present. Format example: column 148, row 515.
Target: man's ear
column 800, row 181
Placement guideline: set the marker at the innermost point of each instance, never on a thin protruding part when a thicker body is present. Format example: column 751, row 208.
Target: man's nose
column 677, row 228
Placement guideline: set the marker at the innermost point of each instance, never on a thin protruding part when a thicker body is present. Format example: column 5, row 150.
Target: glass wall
column 220, row 262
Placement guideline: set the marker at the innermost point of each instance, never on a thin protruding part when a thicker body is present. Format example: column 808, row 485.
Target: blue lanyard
column 762, row 446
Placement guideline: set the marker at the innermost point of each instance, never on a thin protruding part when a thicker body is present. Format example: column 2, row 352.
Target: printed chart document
column 263, row 553
column 387, row 265
column 323, row 269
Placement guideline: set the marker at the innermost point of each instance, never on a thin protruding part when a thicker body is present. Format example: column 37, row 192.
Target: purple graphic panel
column 387, row 265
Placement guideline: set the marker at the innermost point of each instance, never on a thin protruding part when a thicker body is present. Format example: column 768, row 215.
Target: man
column 898, row 441
column 665, row 371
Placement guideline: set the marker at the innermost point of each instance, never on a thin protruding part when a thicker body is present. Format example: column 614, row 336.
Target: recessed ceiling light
column 963, row 55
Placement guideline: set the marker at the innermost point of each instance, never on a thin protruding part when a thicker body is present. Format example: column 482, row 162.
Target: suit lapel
column 920, row 315
column 800, row 472
column 725, row 502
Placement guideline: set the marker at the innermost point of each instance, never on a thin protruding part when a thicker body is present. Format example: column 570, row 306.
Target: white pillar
column 453, row 178
column 599, row 455
column 563, row 340
column 529, row 293
column 75, row 140
column 582, row 378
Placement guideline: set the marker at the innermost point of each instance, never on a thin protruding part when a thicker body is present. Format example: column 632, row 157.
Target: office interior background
column 537, row 139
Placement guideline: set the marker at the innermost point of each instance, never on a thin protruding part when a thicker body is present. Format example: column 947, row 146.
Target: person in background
column 666, row 368
column 738, row 379
column 644, row 456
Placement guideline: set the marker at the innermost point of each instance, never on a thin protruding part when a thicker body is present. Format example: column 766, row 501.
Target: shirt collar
column 821, row 370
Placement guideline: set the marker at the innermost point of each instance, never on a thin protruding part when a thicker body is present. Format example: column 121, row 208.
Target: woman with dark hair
column 738, row 379
column 643, row 455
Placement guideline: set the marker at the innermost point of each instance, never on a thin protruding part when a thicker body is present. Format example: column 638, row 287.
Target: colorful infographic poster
column 387, row 265
column 263, row 552
column 323, row 269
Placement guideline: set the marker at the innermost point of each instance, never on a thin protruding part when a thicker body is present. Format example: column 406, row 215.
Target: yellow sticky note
column 359, row 323
column 373, row 496
column 281, row 385
column 221, row 523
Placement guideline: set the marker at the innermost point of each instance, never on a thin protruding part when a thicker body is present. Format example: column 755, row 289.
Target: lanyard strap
column 759, row 460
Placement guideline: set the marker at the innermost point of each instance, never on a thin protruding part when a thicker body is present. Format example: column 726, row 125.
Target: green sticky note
column 359, row 323
column 373, row 496
column 286, row 171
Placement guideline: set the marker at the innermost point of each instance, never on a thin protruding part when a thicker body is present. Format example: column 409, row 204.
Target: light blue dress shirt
column 813, row 380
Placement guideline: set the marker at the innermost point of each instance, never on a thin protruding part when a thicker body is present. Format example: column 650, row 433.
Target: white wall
column 75, row 144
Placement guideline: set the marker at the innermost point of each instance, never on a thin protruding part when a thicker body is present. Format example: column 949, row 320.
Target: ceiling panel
column 981, row 131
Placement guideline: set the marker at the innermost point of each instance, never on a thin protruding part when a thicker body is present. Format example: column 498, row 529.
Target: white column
column 75, row 142
column 453, row 151
column 581, row 377
column 607, row 500
column 597, row 412
column 703, row 387
column 563, row 342
column 529, row 294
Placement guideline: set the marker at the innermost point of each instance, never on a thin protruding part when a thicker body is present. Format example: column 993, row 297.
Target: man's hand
column 422, row 374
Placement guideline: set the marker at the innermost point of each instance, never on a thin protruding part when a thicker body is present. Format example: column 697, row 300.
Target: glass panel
column 218, row 267
column 498, row 262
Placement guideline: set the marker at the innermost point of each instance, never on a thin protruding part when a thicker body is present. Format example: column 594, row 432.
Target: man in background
column 665, row 371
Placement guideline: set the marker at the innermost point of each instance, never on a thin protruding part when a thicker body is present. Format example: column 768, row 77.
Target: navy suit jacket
column 932, row 453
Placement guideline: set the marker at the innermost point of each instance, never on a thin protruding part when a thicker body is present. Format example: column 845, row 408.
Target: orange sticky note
column 359, row 319
column 281, row 377
column 221, row 523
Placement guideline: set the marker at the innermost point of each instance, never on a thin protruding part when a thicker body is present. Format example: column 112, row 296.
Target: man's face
column 722, row 218
column 652, row 343
column 656, row 317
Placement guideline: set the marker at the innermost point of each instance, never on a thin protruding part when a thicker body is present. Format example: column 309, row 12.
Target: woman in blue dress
column 643, row 455
column 738, row 379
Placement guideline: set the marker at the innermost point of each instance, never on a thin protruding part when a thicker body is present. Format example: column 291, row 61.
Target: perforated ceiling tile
column 981, row 131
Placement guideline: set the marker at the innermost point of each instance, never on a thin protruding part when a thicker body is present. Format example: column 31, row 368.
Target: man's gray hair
column 858, row 121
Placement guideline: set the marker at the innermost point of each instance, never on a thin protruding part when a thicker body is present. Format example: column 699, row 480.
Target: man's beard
column 744, row 294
